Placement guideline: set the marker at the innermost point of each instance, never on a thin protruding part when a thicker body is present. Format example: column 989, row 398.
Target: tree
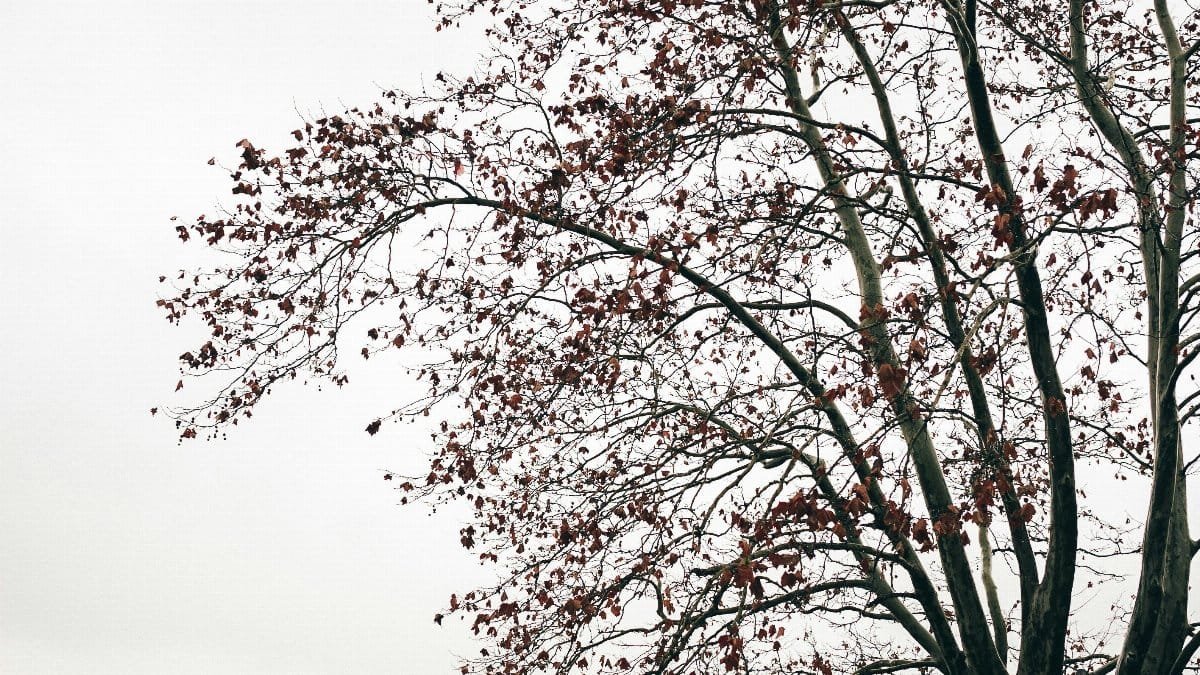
column 749, row 319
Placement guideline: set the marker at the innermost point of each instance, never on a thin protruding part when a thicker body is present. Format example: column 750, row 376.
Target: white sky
column 280, row 550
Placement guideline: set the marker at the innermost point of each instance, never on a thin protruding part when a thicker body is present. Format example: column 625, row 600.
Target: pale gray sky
column 280, row 550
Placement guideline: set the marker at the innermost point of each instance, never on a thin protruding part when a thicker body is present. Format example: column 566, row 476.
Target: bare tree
column 764, row 335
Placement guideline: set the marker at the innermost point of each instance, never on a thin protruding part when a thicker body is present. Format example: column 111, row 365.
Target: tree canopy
column 763, row 336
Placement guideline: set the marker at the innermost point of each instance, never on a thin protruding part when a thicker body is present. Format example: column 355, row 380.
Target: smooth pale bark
column 989, row 440
column 1043, row 635
column 1158, row 624
column 974, row 632
column 993, row 595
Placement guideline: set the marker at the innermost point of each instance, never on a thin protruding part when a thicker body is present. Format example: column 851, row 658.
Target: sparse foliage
column 764, row 336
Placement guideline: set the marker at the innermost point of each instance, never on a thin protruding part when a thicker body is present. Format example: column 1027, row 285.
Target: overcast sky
column 279, row 550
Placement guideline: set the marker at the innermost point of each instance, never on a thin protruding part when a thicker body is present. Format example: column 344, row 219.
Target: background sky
column 280, row 549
